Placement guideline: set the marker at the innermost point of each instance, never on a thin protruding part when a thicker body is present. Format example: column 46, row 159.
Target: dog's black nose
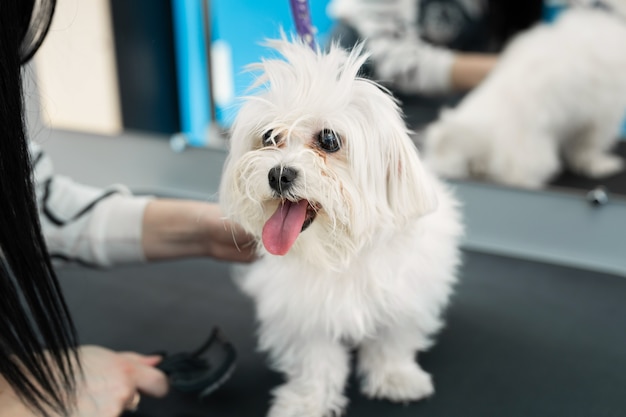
column 281, row 178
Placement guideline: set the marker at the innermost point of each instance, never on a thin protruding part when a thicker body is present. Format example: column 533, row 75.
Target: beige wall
column 75, row 69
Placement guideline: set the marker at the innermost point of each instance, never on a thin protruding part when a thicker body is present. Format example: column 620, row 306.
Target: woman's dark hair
column 37, row 337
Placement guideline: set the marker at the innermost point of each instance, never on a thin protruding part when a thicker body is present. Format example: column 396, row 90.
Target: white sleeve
column 97, row 227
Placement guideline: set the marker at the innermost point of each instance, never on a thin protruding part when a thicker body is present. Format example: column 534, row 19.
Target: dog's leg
column 531, row 163
column 316, row 374
column 389, row 369
column 595, row 165
column 589, row 154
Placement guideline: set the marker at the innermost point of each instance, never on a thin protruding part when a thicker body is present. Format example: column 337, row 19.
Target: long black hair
column 37, row 337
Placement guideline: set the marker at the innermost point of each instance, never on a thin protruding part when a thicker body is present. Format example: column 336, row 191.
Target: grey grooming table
column 523, row 339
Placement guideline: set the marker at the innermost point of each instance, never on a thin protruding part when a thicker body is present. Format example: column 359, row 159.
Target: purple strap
column 302, row 18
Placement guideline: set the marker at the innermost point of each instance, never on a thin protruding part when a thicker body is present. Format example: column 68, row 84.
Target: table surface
column 522, row 338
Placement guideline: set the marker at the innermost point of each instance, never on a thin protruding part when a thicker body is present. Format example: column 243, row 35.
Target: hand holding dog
column 178, row 228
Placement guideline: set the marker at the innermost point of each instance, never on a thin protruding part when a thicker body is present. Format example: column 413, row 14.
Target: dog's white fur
column 376, row 267
column 557, row 93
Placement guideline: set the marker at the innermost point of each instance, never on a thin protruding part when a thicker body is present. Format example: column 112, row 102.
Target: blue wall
column 244, row 24
column 238, row 29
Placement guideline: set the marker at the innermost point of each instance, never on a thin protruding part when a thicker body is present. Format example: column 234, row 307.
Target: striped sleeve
column 91, row 226
column 377, row 18
column 399, row 56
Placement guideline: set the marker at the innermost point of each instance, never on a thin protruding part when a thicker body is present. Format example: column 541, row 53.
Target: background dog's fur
column 376, row 268
column 557, row 94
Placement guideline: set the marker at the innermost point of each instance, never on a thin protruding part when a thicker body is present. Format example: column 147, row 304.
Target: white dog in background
column 557, row 94
column 358, row 242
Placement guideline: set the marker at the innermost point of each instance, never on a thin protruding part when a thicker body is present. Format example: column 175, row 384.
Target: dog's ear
column 410, row 187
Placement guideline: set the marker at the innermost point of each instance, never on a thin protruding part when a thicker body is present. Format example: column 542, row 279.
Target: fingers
column 229, row 242
column 148, row 360
column 148, row 380
column 133, row 404
column 245, row 253
column 235, row 232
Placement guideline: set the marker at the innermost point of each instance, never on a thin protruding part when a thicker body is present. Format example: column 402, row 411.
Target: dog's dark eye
column 329, row 140
column 267, row 138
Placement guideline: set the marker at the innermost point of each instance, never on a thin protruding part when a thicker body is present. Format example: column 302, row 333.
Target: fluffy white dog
column 557, row 93
column 358, row 242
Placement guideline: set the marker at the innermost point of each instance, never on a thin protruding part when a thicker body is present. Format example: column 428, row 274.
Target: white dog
column 359, row 241
column 558, row 92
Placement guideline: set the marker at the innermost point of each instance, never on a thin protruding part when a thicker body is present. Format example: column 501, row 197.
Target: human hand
column 110, row 385
column 113, row 381
column 224, row 239
column 181, row 229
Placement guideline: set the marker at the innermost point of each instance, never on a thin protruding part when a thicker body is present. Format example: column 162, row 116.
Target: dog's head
column 320, row 161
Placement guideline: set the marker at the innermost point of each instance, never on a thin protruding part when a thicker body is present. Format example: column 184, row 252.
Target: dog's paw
column 405, row 384
column 289, row 401
column 604, row 166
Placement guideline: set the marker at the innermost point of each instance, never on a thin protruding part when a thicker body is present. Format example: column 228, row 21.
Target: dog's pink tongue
column 282, row 229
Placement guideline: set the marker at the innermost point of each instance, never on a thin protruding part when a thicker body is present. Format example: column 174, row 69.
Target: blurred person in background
column 435, row 47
